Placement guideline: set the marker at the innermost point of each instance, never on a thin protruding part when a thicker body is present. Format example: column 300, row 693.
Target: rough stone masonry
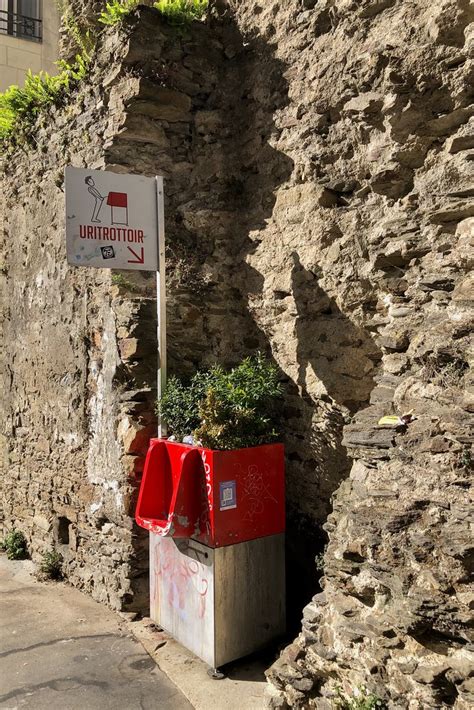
column 318, row 158
column 79, row 344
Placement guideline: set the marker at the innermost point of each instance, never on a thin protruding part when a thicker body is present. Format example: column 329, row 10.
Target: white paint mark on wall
column 103, row 462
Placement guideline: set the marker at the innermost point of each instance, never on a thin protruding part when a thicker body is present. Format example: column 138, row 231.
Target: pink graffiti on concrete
column 181, row 577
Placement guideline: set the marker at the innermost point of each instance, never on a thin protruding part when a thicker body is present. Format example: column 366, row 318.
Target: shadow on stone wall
column 253, row 90
column 329, row 342
column 335, row 352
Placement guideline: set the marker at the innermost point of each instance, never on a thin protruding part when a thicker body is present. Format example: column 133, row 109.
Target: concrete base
column 223, row 603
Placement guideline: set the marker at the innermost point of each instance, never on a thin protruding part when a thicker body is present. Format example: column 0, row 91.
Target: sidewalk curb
column 189, row 673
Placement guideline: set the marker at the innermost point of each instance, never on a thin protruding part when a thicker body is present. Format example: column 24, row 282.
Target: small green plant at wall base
column 360, row 699
column 14, row 544
column 51, row 564
column 225, row 409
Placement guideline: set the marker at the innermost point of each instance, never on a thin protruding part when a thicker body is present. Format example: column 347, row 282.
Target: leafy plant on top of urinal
column 225, row 409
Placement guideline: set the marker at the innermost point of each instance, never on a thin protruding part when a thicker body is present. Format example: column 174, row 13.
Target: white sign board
column 111, row 220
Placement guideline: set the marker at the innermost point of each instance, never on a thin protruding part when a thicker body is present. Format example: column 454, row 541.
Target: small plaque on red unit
column 227, row 495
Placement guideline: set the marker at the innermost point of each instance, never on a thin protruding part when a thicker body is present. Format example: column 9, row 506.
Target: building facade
column 29, row 35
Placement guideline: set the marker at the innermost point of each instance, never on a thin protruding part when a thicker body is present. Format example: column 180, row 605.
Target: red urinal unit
column 216, row 497
column 168, row 502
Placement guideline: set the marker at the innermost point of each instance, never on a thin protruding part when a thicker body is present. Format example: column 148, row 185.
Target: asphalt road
column 60, row 650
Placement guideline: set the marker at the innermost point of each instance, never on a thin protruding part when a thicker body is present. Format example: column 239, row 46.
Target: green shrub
column 115, row 11
column 14, row 544
column 180, row 12
column 361, row 699
column 225, row 409
column 181, row 400
column 177, row 12
column 52, row 564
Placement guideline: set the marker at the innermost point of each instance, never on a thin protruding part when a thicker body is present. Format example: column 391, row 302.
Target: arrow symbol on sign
column 138, row 259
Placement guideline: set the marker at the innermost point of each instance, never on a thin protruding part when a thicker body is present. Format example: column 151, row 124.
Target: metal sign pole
column 161, row 298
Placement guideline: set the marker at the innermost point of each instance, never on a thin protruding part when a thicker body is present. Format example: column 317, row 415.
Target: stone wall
column 79, row 358
column 316, row 157
column 199, row 109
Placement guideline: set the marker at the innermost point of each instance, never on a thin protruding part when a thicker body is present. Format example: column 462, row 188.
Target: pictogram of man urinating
column 98, row 198
column 117, row 201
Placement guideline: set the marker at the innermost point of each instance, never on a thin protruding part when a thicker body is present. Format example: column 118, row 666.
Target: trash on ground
column 393, row 420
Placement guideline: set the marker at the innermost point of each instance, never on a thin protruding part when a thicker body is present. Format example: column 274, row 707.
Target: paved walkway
column 60, row 650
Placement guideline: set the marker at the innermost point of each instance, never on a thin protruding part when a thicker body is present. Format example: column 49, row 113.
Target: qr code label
column 107, row 252
column 227, row 495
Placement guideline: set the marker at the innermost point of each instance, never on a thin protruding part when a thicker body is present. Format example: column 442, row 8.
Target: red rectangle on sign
column 117, row 199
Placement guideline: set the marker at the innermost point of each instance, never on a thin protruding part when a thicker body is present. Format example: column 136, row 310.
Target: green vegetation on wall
column 360, row 699
column 116, row 10
column 178, row 12
column 79, row 29
column 20, row 106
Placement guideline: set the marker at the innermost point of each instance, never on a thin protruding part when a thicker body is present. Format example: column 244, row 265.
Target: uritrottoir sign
column 111, row 220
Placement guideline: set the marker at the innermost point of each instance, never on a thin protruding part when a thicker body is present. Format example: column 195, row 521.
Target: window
column 21, row 18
